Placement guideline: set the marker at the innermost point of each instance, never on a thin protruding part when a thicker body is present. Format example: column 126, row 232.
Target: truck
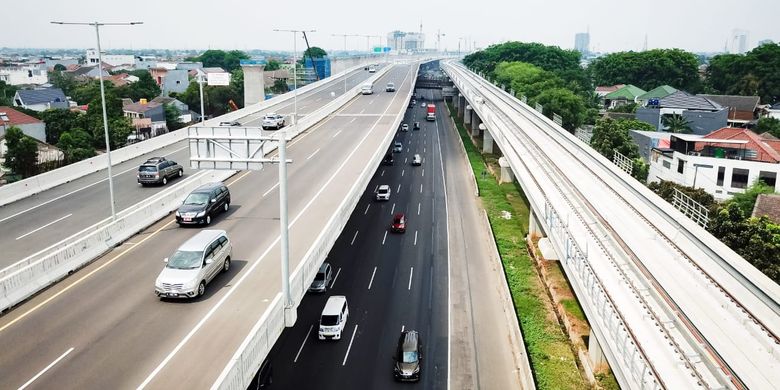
column 431, row 112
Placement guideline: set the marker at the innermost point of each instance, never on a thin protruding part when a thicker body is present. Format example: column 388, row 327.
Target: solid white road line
column 38, row 375
column 384, row 238
column 43, row 227
column 449, row 262
column 312, row 155
column 335, row 277
column 415, row 238
column 337, row 133
column 411, row 273
column 344, row 363
column 372, row 279
column 270, row 189
column 303, row 343
column 392, row 210
column 367, row 206
column 418, row 208
column 82, row 188
column 354, row 237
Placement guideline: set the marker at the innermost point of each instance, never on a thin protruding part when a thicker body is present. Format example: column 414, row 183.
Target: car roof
column 399, row 215
column 384, row 187
column 408, row 340
column 323, row 266
column 208, row 186
column 199, row 241
column 334, row 304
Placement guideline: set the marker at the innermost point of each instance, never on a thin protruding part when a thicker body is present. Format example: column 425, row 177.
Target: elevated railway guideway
column 670, row 306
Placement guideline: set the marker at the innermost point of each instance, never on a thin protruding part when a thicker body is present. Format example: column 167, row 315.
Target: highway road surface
column 37, row 222
column 104, row 328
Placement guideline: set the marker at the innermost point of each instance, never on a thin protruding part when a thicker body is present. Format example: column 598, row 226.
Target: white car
column 334, row 318
column 404, row 127
column 390, row 87
column 196, row 263
column 383, row 192
column 274, row 121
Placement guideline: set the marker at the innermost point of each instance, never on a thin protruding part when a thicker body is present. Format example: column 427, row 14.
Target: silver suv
column 274, row 121
column 157, row 170
column 196, row 263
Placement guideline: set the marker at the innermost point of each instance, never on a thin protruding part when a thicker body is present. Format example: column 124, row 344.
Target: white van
column 196, row 263
column 367, row 89
column 334, row 318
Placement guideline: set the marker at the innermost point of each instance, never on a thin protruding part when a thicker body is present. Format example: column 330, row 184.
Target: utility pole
column 103, row 98
column 295, row 69
column 345, row 52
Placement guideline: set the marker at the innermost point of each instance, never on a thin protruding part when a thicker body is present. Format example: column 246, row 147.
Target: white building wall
column 111, row 59
column 702, row 172
column 24, row 75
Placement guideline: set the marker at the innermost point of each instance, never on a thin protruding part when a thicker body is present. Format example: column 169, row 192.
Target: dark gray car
column 322, row 279
column 203, row 203
column 408, row 356
column 158, row 170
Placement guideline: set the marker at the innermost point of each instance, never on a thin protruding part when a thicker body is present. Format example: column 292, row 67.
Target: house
column 723, row 163
column 767, row 205
column 185, row 115
column 742, row 110
column 656, row 93
column 773, row 111
column 703, row 115
column 41, row 99
column 31, row 126
column 86, row 73
column 147, row 117
column 170, row 80
column 607, row 89
column 271, row 76
column 92, row 58
column 646, row 141
column 625, row 95
column 29, row 74
column 122, row 79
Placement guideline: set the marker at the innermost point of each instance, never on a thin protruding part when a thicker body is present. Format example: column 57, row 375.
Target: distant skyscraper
column 582, row 42
column 739, row 41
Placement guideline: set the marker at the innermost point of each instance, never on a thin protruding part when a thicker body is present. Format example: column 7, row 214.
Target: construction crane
column 316, row 73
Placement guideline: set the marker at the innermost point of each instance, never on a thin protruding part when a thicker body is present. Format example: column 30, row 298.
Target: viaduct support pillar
column 507, row 176
column 487, row 142
column 476, row 124
column 595, row 354
column 254, row 83
column 461, row 106
column 467, row 116
column 534, row 226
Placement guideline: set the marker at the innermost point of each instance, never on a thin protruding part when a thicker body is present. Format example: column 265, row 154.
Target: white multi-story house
column 34, row 74
column 111, row 59
column 723, row 163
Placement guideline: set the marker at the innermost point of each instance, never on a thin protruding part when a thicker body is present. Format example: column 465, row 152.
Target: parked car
column 203, row 203
column 404, row 127
column 274, row 121
column 399, row 223
column 322, row 279
column 416, row 160
column 334, row 318
column 157, row 170
column 196, row 263
column 416, row 126
column 383, row 192
column 398, row 147
column 390, row 87
column 408, row 355
column 135, row 138
column 229, row 124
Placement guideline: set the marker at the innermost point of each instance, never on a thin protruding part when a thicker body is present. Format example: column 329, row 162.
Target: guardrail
column 241, row 368
column 80, row 249
column 10, row 193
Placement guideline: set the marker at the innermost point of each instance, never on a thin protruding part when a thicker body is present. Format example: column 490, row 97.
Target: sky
column 614, row 25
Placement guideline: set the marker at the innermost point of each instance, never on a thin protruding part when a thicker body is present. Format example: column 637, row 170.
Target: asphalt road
column 392, row 281
column 104, row 328
column 37, row 222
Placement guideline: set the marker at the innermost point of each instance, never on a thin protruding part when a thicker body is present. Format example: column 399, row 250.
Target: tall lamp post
column 345, row 52
column 103, row 98
column 295, row 69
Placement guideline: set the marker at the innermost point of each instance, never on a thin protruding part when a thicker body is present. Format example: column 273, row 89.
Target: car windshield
column 185, row 260
column 329, row 320
column 147, row 168
column 383, row 190
column 409, row 357
column 197, row 199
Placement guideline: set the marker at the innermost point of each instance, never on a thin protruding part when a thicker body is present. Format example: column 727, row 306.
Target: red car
column 399, row 223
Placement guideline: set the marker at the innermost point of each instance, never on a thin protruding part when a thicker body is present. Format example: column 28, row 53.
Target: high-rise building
column 406, row 41
column 739, row 41
column 582, row 42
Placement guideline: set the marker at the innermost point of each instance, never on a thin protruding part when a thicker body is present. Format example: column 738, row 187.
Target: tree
column 665, row 189
column 273, row 65
column 64, row 81
column 565, row 103
column 755, row 73
column 7, row 93
column 768, row 125
column 172, row 120
column 21, row 156
column 59, row 68
column 610, row 135
column 747, row 200
column 90, row 91
column 315, row 52
column 144, row 88
column 229, row 61
column 60, row 121
column 648, row 69
column 280, row 86
column 76, row 144
column 677, row 124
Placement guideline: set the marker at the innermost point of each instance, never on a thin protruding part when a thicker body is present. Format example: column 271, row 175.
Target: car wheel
column 181, row 172
column 208, row 219
column 202, row 288
column 226, row 206
column 164, row 180
column 226, row 266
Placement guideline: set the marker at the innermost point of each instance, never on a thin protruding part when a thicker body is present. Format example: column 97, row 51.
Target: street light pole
column 103, row 100
column 295, row 70
column 345, row 52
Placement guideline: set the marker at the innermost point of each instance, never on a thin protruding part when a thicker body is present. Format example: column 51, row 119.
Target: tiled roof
column 767, row 205
column 628, row 92
column 658, row 92
column 684, row 100
column 740, row 103
column 15, row 117
column 140, row 108
column 38, row 96
column 609, row 88
column 766, row 150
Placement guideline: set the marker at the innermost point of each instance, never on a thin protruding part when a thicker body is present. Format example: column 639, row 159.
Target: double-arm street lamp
column 295, row 68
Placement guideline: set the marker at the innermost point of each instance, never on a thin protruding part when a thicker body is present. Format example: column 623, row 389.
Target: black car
column 416, row 126
column 203, row 203
column 388, row 160
column 408, row 357
column 157, row 170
